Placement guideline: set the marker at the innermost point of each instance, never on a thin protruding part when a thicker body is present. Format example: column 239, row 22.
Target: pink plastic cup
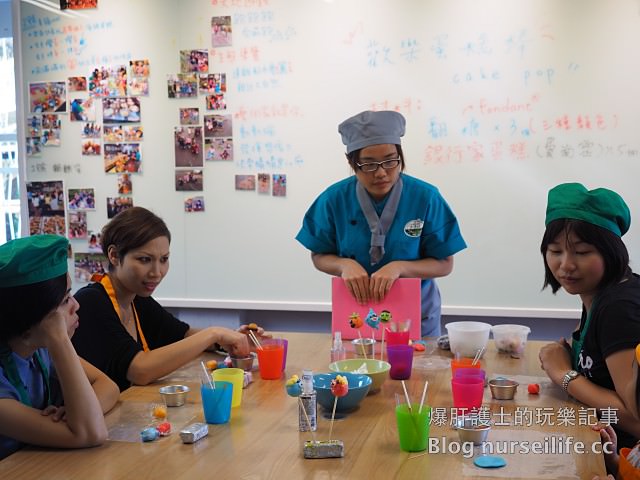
column 467, row 392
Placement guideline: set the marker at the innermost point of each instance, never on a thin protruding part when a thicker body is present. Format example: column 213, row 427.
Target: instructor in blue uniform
column 382, row 224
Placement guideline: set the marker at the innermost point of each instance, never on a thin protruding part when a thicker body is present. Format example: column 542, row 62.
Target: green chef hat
column 601, row 207
column 32, row 259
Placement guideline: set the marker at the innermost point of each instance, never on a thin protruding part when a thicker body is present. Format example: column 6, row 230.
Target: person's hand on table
column 555, row 359
column 382, row 280
column 257, row 331
column 608, row 435
column 235, row 343
column 357, row 280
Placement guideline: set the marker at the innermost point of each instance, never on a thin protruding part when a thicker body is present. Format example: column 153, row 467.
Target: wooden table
column 262, row 439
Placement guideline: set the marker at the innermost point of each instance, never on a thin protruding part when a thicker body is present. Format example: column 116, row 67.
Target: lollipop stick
column 364, row 352
column 382, row 343
column 406, row 396
column 424, row 394
column 304, row 410
column 477, row 357
column 333, row 414
column 254, row 339
column 207, row 376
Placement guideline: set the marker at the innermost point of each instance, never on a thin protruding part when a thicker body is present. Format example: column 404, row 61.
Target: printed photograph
column 91, row 130
column 77, row 225
column 245, row 182
column 34, row 147
column 218, row 126
column 195, row 204
column 139, row 68
column 78, row 4
column 121, row 110
column 182, row 85
column 50, row 137
column 133, row 133
column 47, row 97
column 115, row 205
column 279, row 185
column 213, row 83
column 77, row 84
column 221, row 31
column 113, row 133
column 108, row 81
column 81, row 199
column 189, row 180
column 125, row 186
column 94, row 242
column 189, row 116
column 122, row 157
column 34, row 126
column 216, row 102
column 138, row 87
column 217, row 149
column 45, row 201
column 264, row 183
column 87, row 264
column 91, row 147
column 82, row 110
column 51, row 120
column 194, row 61
column 188, row 146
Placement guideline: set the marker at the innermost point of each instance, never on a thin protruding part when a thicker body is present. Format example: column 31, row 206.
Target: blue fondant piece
column 149, row 434
column 488, row 461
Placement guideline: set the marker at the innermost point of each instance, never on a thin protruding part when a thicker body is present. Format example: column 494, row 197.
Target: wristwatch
column 568, row 377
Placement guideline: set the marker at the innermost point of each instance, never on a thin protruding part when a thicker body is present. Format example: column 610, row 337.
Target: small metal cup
column 364, row 347
column 502, row 388
column 174, row 395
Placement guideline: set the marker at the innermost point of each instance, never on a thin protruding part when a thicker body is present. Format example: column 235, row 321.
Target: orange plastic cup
column 463, row 363
column 270, row 358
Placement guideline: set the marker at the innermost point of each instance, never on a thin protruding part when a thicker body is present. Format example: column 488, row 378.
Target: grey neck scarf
column 379, row 226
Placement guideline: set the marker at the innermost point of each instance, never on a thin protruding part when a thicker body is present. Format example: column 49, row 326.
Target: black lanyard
column 11, row 371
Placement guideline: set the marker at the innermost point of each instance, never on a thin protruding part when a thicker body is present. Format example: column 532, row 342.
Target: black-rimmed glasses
column 373, row 166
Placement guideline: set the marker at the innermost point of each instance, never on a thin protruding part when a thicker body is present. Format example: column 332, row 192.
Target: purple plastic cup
column 401, row 359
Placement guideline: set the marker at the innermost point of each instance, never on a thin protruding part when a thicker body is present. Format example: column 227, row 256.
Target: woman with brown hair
column 124, row 331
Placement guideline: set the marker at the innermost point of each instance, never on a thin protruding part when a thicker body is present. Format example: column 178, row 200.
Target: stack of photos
column 50, row 130
column 139, row 77
column 46, row 206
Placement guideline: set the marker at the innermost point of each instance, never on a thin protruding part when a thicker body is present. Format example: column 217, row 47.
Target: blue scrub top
column 34, row 382
column 424, row 226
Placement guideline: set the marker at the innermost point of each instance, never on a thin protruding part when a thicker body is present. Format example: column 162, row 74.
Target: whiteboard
column 503, row 100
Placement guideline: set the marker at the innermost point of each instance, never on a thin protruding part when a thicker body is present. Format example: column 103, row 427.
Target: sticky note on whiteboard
column 403, row 301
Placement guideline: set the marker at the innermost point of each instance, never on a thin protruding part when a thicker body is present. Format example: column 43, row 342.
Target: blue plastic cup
column 216, row 402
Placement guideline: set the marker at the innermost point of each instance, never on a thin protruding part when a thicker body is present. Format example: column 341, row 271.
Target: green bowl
column 378, row 370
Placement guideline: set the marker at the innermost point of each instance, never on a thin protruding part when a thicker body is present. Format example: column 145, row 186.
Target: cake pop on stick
column 339, row 388
column 385, row 317
column 355, row 320
column 294, row 389
column 373, row 321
